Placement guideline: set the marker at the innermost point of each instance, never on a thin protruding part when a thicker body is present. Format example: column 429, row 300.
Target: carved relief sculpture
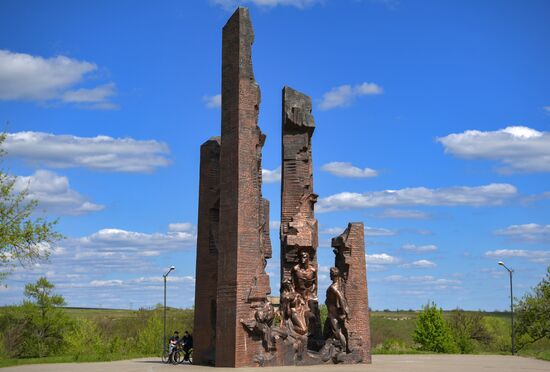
column 298, row 223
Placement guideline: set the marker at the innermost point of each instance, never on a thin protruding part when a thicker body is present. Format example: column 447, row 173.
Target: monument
column 236, row 325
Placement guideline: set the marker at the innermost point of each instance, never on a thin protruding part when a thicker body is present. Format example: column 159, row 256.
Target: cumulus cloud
column 54, row 194
column 344, row 95
column 348, row 170
column 110, row 240
column 419, row 248
column 232, row 4
column 533, row 256
column 100, row 153
column 420, row 264
column 380, row 259
column 34, row 78
column 492, row 194
column 518, row 148
column 130, row 263
column 530, row 232
column 404, row 214
column 271, row 176
column 214, row 101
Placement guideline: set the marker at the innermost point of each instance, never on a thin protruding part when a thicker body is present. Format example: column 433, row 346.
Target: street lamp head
column 501, row 263
column 169, row 271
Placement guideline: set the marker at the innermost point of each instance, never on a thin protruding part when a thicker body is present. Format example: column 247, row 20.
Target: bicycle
column 180, row 355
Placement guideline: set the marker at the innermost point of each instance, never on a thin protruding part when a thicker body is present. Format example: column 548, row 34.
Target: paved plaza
column 381, row 363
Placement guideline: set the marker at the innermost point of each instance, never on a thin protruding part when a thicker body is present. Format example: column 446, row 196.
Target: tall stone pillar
column 349, row 249
column 298, row 223
column 243, row 284
column 207, row 253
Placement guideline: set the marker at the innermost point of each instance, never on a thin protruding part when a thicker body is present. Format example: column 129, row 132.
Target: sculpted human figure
column 304, row 277
column 294, row 308
column 337, row 308
column 264, row 321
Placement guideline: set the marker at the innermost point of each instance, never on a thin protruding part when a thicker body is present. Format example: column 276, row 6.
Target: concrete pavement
column 381, row 363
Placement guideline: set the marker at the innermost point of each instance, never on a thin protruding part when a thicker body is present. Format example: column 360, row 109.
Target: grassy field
column 391, row 333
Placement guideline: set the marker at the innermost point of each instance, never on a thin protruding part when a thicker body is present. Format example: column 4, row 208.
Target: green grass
column 391, row 333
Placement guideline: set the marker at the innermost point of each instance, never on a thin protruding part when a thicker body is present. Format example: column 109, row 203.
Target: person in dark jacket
column 187, row 340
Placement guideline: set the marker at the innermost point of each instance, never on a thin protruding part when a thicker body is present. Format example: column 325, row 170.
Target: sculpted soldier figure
column 337, row 308
column 304, row 277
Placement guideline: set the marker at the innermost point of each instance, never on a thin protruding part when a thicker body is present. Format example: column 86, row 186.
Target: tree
column 468, row 329
column 533, row 314
column 49, row 321
column 23, row 239
column 432, row 332
column 38, row 327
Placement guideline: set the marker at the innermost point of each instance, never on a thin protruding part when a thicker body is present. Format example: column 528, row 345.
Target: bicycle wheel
column 177, row 358
column 165, row 356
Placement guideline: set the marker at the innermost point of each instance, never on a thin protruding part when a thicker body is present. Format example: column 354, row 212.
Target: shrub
column 468, row 330
column 432, row 333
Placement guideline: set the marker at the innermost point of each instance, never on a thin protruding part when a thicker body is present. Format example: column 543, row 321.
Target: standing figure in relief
column 337, row 308
column 304, row 277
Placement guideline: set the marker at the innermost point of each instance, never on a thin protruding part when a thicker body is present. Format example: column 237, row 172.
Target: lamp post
column 511, row 305
column 164, row 276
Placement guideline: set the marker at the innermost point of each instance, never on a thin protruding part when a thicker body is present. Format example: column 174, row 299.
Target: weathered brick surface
column 298, row 223
column 242, row 281
column 207, row 253
column 349, row 248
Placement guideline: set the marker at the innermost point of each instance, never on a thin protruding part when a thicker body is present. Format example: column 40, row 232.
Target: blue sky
column 433, row 128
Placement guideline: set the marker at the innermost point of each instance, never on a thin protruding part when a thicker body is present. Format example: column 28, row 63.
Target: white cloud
column 344, row 95
column 106, row 283
column 214, row 101
column 131, row 241
column 530, row 232
column 419, row 248
column 54, row 194
column 181, row 227
column 369, row 231
column 533, row 256
column 380, row 259
column 333, row 231
column 274, row 225
column 343, row 169
column 519, row 149
column 97, row 97
column 378, row 231
column 271, row 176
column 424, row 280
column 492, row 194
column 129, row 263
column 100, row 153
column 232, row 4
column 404, row 214
column 34, row 78
column 420, row 264
column 547, row 108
